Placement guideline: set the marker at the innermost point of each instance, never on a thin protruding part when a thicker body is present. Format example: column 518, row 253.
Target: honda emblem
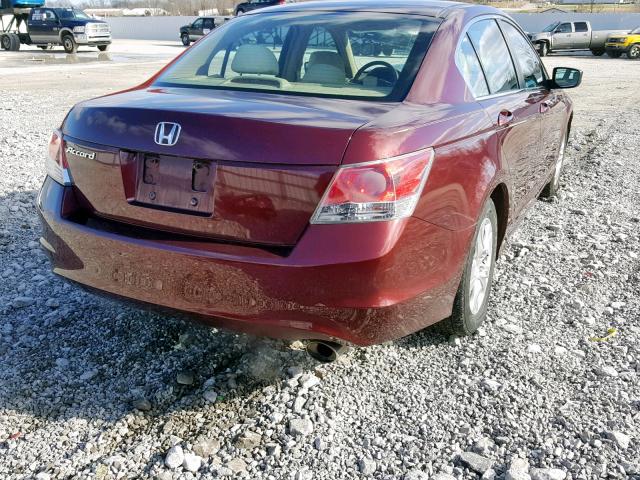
column 167, row 133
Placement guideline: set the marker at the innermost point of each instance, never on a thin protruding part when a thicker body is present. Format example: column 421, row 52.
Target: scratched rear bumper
column 249, row 290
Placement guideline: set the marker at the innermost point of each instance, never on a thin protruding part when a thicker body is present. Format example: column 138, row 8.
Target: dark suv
column 249, row 5
column 199, row 28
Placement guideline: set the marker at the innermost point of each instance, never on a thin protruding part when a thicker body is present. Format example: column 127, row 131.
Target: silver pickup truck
column 561, row 36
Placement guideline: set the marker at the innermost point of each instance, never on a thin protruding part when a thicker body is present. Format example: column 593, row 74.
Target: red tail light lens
column 375, row 191
column 57, row 167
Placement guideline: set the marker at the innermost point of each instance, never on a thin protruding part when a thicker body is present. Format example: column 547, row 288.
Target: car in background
column 564, row 36
column 200, row 27
column 250, row 5
column 627, row 44
column 270, row 181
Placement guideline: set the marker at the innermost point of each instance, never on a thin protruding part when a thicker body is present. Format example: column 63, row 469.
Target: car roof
column 430, row 8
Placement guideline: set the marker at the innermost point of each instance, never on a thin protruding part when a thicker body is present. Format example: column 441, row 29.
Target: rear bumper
column 362, row 284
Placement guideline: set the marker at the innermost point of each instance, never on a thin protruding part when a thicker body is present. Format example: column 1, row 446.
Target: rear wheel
column 69, row 44
column 470, row 304
column 185, row 39
column 5, row 42
column 634, row 52
column 598, row 52
column 551, row 188
column 103, row 48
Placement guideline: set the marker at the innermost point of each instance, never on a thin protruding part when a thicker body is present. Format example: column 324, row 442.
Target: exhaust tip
column 325, row 352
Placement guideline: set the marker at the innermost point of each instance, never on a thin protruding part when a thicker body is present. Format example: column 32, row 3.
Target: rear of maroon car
column 223, row 195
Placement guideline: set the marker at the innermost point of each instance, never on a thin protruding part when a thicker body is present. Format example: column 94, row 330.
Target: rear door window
column 581, row 27
column 527, row 60
column 470, row 68
column 494, row 56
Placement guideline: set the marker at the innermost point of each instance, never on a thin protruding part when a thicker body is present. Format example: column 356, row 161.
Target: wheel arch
column 65, row 31
column 500, row 198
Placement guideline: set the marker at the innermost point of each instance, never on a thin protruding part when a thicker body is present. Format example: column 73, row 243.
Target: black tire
column 15, row 39
column 614, row 54
column 598, row 52
column 103, row 48
column 464, row 320
column 185, row 39
column 5, row 42
column 551, row 188
column 240, row 11
column 69, row 44
column 543, row 49
column 387, row 50
column 634, row 52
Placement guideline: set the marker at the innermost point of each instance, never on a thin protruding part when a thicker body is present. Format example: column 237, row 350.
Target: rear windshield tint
column 360, row 55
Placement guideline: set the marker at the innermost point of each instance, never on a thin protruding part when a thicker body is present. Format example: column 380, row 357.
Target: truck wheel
column 239, row 12
column 634, row 52
column 15, row 42
column 185, row 39
column 5, row 41
column 69, row 44
column 103, row 48
column 543, row 49
column 598, row 52
column 613, row 54
column 470, row 304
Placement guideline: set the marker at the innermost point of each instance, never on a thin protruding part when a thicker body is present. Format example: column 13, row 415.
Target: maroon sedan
column 271, row 180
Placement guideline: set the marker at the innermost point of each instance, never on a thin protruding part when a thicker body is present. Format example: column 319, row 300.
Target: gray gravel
column 90, row 388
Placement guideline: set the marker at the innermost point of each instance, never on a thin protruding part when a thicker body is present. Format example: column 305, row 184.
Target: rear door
column 582, row 35
column 563, row 37
column 514, row 111
column 207, row 25
column 51, row 29
column 544, row 104
column 195, row 30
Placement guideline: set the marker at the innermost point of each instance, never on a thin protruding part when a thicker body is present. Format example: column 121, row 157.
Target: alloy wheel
column 481, row 266
column 634, row 52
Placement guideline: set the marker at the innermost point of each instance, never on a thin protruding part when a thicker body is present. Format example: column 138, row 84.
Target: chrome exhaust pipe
column 324, row 351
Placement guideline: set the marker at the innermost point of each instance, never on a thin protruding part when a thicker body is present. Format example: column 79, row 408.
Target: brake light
column 375, row 191
column 56, row 165
column 281, row 2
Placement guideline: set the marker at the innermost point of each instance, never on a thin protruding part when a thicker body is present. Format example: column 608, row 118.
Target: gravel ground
column 90, row 388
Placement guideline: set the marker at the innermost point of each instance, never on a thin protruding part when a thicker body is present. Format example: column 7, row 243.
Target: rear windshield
column 343, row 54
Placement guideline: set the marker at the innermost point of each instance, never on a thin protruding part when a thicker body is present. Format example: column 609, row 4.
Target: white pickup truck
column 561, row 36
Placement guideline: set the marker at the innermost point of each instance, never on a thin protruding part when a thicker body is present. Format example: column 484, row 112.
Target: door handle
column 505, row 118
column 545, row 107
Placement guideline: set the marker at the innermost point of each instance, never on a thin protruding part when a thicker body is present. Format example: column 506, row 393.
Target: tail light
column 375, row 191
column 57, row 167
column 282, row 2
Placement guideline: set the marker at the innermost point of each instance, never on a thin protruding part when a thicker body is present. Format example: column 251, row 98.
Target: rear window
column 343, row 54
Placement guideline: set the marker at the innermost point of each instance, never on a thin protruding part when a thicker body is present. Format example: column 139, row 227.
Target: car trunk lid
column 245, row 167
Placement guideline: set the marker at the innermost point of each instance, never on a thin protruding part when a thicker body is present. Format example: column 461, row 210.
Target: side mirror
column 565, row 77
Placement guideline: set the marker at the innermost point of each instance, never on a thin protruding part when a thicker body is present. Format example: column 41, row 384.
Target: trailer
column 29, row 22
